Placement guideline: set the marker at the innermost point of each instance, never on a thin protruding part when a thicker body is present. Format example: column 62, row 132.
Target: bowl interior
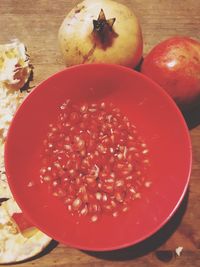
column 158, row 121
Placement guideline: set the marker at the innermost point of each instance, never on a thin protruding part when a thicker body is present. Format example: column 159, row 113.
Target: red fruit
column 175, row 65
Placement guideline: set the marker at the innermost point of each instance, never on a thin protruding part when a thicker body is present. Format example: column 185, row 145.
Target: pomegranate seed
column 119, row 183
column 84, row 108
column 43, row 171
column 68, row 147
column 107, row 188
column 55, row 183
column 129, row 178
column 84, row 211
column 94, row 208
column 96, row 153
column 137, row 195
column 128, row 185
column 74, row 117
column 57, row 165
column 103, row 105
column 98, row 196
column 83, row 152
column 95, row 171
column 115, row 214
column 104, row 197
column 68, row 200
column 79, row 144
column 69, row 207
column 72, row 172
column 132, row 190
column 107, row 207
column 130, row 137
column 145, row 151
column 111, row 150
column 126, row 170
column 90, row 179
column 59, row 192
column 112, row 175
column 125, row 208
column 85, row 198
column 148, row 183
column 54, row 130
column 78, row 181
column 84, row 166
column 85, row 117
column 109, row 180
column 119, row 196
column 143, row 145
column 50, row 145
column 132, row 148
column 101, row 149
column 76, row 204
column 120, row 156
column 94, row 218
column 82, row 189
column 116, row 110
column 99, row 185
column 112, row 137
column 120, row 166
column 113, row 203
column 67, row 124
column 92, row 110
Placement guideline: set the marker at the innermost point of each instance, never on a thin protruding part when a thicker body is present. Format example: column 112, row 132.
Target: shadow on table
column 192, row 117
column 148, row 245
column 47, row 250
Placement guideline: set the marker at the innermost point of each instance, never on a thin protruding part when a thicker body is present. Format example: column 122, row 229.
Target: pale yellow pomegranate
column 101, row 31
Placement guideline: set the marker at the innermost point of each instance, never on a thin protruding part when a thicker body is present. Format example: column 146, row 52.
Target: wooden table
column 36, row 23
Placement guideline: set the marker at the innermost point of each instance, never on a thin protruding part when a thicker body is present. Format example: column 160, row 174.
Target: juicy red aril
column 94, row 160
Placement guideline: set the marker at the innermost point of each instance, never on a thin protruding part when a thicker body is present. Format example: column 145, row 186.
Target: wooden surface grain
column 36, row 24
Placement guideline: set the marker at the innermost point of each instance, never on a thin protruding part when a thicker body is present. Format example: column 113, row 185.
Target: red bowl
column 158, row 120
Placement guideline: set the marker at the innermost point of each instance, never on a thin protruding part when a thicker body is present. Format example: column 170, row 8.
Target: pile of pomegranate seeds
column 94, row 160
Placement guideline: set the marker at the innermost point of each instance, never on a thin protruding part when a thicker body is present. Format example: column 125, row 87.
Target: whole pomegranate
column 175, row 65
column 101, row 31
